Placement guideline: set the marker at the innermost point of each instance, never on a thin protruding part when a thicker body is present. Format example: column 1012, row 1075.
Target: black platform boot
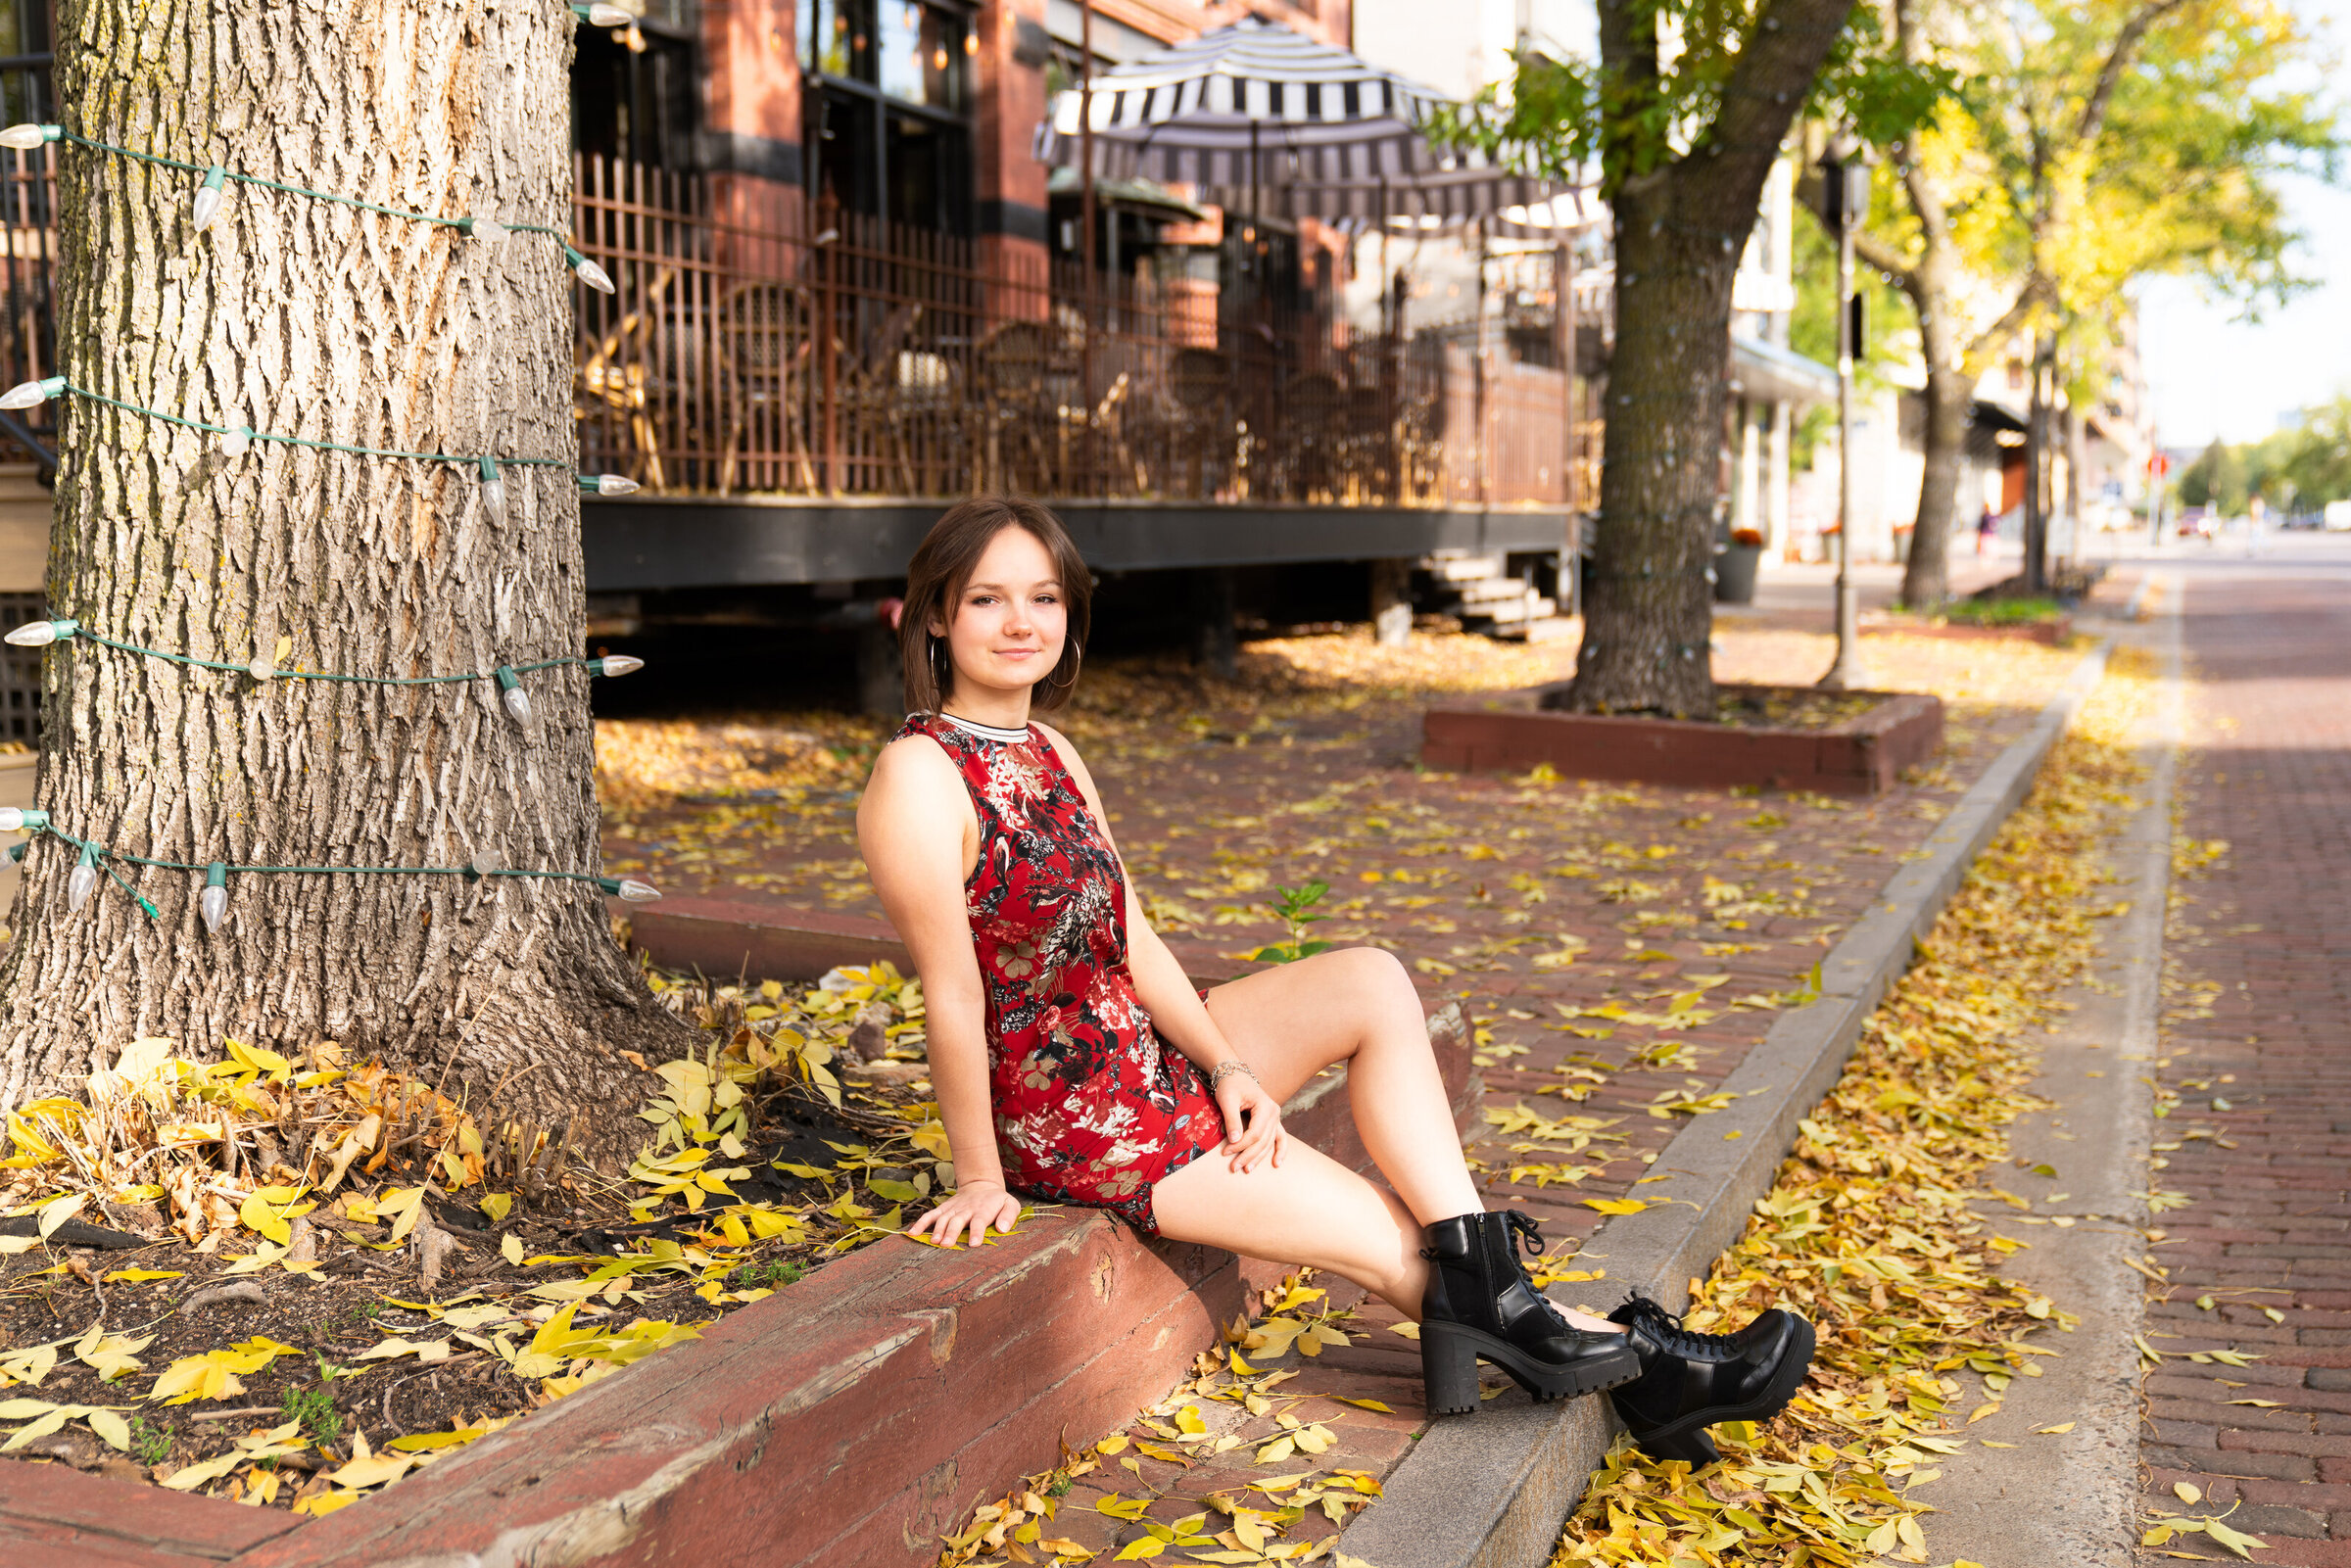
column 1689, row 1382
column 1480, row 1306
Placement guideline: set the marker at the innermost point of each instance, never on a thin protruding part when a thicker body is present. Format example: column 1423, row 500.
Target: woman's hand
column 972, row 1208
column 1252, row 1121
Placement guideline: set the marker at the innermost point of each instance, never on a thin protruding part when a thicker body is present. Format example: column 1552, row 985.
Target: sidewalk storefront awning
column 1769, row 373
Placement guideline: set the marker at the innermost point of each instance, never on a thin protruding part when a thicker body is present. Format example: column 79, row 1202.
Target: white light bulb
column 596, row 277
column 637, row 892
column 213, row 906
column 621, row 664
column 489, row 230
column 38, row 634
column 261, row 668
column 610, row 17
column 615, row 485
column 15, row 819
column 494, row 490
column 238, row 443
column 25, row 138
column 81, row 883
column 209, row 195
column 510, row 692
column 31, row 394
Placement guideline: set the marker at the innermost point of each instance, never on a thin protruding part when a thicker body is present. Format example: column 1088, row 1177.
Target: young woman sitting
column 1074, row 1063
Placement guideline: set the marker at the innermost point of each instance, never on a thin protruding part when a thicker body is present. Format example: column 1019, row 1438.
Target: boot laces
column 1526, row 1231
column 1666, row 1329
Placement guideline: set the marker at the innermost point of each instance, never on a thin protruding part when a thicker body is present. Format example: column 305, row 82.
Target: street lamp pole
column 1846, row 184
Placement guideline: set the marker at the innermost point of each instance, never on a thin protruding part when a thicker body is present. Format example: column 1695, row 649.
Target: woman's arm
column 1253, row 1131
column 918, row 832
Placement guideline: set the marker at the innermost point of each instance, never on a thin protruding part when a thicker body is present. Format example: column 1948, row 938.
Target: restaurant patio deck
column 800, row 390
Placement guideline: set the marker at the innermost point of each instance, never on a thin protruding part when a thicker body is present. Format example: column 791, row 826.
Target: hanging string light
column 510, row 692
column 494, row 490
column 41, row 634
column 85, row 878
column 215, row 179
column 93, row 859
column 209, row 195
column 236, row 442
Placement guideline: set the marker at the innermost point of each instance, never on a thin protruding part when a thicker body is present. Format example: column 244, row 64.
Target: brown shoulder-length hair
column 942, row 568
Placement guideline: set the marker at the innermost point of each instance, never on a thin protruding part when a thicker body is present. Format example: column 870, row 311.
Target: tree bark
column 1649, row 613
column 304, row 317
column 1679, row 230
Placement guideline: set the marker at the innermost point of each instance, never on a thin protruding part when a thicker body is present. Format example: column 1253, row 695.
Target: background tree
column 297, row 315
column 2301, row 469
column 2087, row 146
column 1684, row 113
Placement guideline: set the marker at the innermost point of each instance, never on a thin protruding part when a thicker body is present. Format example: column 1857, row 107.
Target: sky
column 2213, row 375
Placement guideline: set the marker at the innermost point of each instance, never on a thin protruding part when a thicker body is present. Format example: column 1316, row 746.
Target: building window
column 24, row 46
column 633, row 88
column 891, row 91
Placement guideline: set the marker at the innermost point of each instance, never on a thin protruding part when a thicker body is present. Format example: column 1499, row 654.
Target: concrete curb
column 1493, row 1491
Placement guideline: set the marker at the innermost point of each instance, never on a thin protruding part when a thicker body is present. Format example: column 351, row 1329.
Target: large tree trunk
column 1649, row 615
column 1679, row 230
column 1926, row 578
column 300, row 316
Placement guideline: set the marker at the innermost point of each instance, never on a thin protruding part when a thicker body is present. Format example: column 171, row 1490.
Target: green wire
column 104, row 855
column 305, row 441
column 318, row 675
column 160, row 161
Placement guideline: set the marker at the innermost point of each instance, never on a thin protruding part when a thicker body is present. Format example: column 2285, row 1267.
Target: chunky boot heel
column 1480, row 1306
column 1690, row 1381
column 1448, row 1370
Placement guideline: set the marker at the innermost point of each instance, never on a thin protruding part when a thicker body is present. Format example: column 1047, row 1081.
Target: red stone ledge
column 1859, row 756
column 759, row 939
column 848, row 1419
column 726, row 937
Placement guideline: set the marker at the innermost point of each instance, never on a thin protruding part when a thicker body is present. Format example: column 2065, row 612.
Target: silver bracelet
column 1225, row 1070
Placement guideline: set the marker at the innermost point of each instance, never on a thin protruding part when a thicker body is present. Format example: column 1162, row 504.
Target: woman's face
column 1011, row 620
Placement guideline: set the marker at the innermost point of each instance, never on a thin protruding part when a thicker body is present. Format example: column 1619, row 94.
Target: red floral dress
column 1091, row 1106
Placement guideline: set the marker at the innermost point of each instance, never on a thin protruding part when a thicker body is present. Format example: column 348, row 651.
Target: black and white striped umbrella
column 1249, row 104
column 1431, row 199
column 1264, row 119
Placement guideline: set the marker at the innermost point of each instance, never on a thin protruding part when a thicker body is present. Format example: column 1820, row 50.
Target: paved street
column 2253, row 1044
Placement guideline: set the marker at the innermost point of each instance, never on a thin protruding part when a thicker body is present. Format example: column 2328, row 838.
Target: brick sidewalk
column 2258, row 988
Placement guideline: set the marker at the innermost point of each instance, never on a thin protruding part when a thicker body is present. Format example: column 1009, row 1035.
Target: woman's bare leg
column 1357, row 1006
column 1307, row 1209
column 1288, row 1023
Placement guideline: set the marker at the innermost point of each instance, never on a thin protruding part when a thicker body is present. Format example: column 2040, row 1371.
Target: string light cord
column 213, row 189
column 236, row 441
column 95, row 860
column 41, row 634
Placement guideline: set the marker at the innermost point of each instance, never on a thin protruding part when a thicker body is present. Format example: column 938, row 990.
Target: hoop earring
column 1063, row 684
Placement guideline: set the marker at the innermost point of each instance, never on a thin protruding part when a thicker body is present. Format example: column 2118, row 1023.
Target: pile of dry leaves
column 225, row 1276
